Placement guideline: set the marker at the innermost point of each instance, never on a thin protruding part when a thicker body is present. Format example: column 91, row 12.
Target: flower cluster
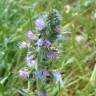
column 48, row 29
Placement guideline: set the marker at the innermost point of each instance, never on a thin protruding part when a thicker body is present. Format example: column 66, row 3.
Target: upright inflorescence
column 48, row 29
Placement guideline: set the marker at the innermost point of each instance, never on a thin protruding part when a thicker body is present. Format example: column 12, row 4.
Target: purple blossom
column 45, row 73
column 47, row 43
column 29, row 34
column 29, row 60
column 40, row 42
column 51, row 55
column 40, row 24
column 24, row 74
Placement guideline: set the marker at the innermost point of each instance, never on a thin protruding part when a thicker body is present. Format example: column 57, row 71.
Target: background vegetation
column 78, row 57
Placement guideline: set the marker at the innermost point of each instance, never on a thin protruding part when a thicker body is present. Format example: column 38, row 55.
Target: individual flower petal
column 23, row 74
column 40, row 24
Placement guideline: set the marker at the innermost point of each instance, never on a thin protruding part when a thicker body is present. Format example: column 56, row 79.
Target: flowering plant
column 40, row 63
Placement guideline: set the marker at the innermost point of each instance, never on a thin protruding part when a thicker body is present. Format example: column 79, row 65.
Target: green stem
column 59, row 89
column 40, row 82
column 1, row 90
column 29, row 84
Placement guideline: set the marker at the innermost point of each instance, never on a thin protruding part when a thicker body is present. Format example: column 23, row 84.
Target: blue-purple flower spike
column 43, row 53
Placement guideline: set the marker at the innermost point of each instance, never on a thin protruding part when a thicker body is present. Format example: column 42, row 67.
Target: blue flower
column 30, row 62
column 39, row 74
column 40, row 24
column 40, row 42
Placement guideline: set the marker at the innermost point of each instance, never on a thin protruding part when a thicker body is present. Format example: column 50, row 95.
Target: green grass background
column 77, row 60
